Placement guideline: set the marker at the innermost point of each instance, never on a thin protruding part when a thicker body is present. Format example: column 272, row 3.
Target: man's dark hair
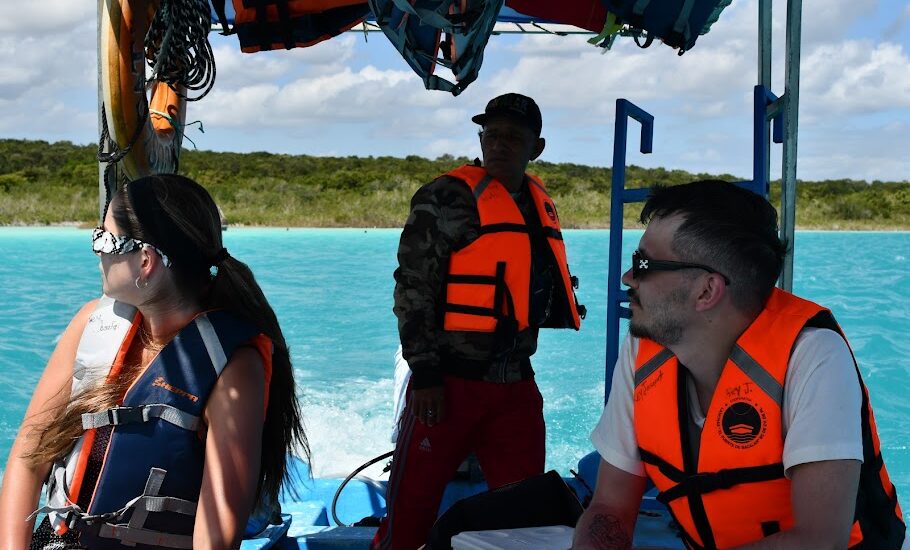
column 728, row 228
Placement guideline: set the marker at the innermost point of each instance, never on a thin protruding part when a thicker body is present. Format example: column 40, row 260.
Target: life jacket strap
column 471, row 310
column 700, row 484
column 131, row 537
column 472, row 279
column 503, row 228
column 63, row 511
column 707, row 482
column 119, row 416
column 133, row 533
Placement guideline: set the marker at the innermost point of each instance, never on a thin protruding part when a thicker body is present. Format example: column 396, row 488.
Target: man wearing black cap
column 482, row 267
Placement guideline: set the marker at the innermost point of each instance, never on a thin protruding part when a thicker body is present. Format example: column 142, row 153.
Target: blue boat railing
column 616, row 296
column 768, row 123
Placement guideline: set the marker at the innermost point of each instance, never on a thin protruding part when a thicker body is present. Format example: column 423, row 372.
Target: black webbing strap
column 218, row 5
column 263, row 36
column 668, row 470
column 285, row 28
column 500, row 288
column 700, row 484
column 690, row 463
column 503, row 228
column 470, row 310
column 769, row 528
column 471, row 279
column 551, row 233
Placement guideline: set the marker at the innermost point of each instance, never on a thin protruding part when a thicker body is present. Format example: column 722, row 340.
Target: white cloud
column 343, row 96
column 44, row 84
column 828, row 20
column 46, row 17
column 236, row 68
column 855, row 77
column 456, row 147
column 53, row 64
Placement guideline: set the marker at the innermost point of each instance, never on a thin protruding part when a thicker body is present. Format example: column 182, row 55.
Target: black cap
column 517, row 106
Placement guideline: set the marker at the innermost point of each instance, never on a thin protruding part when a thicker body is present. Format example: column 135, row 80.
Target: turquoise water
column 332, row 290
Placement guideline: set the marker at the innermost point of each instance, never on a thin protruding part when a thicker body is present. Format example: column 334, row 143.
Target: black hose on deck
column 350, row 477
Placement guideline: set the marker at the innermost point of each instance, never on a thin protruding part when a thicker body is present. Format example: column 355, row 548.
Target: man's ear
column 712, row 291
column 538, row 148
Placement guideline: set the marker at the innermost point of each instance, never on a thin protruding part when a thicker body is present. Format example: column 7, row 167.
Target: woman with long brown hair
column 166, row 412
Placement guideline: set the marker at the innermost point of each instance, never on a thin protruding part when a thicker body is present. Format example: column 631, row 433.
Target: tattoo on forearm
column 608, row 533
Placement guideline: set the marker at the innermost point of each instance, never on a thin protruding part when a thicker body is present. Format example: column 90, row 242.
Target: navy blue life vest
column 149, row 481
column 416, row 29
column 678, row 23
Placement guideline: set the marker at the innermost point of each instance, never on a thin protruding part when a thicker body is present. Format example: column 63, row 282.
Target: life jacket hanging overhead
column 678, row 23
column 416, row 30
column 284, row 24
column 584, row 14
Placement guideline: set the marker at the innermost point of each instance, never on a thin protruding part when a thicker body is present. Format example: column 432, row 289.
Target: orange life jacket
column 284, row 24
column 489, row 280
column 737, row 492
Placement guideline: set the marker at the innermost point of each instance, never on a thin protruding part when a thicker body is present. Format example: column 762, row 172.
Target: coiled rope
column 177, row 46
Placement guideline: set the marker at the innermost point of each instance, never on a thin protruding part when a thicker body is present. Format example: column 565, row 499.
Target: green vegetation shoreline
column 45, row 183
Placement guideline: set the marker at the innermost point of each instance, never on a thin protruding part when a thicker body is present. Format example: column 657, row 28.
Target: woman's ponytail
column 235, row 289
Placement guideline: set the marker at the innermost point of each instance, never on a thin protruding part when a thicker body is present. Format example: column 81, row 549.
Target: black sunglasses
column 642, row 266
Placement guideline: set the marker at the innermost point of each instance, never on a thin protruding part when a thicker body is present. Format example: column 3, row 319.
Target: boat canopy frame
column 774, row 118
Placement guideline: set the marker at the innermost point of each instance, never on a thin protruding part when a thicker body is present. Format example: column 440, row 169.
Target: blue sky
column 349, row 96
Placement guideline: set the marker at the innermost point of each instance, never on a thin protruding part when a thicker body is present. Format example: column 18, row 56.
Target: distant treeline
column 49, row 183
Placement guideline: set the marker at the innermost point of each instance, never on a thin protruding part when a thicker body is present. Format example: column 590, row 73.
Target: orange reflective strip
column 263, row 345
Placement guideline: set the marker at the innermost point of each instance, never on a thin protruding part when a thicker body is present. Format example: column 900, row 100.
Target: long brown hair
column 185, row 206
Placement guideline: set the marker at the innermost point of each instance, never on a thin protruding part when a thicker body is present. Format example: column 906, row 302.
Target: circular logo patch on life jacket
column 551, row 211
column 741, row 423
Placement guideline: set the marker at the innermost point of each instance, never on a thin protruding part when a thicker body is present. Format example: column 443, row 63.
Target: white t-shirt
column 821, row 411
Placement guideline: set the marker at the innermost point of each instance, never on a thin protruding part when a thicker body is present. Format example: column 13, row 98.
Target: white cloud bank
column 362, row 100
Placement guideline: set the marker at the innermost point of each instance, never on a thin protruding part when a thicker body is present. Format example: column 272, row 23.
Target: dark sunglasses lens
column 636, row 268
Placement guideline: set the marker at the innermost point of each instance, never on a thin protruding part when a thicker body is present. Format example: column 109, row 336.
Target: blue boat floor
column 652, row 531
column 314, row 527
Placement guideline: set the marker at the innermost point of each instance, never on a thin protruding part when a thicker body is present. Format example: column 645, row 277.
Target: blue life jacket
column 678, row 23
column 149, row 481
column 416, row 30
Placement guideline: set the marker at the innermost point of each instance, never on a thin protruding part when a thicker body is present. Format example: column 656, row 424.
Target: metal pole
column 765, row 44
column 102, row 193
column 791, row 124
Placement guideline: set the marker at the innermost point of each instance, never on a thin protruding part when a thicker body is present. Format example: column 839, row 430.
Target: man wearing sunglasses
column 482, row 267
column 742, row 403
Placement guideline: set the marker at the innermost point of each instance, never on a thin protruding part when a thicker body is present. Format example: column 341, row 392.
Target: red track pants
column 501, row 423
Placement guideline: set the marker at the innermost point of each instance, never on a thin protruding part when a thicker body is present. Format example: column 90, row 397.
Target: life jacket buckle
column 708, row 482
column 71, row 520
column 124, row 415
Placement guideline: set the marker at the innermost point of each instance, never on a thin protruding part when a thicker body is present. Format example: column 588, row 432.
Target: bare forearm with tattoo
column 607, row 532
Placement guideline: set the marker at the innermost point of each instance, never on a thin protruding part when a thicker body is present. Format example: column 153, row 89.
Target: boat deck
column 312, row 526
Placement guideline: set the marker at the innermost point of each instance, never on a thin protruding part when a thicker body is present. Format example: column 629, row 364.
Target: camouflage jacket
column 444, row 219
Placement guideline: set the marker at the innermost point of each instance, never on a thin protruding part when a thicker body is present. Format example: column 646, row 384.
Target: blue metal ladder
column 767, row 109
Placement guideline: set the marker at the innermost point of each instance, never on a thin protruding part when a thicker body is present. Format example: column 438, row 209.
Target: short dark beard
column 665, row 331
